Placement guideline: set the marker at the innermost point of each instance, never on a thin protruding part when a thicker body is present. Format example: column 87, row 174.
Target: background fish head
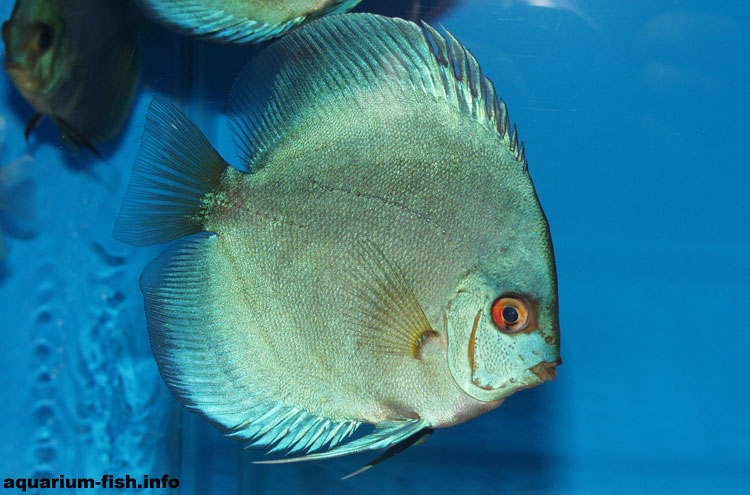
column 490, row 357
column 34, row 45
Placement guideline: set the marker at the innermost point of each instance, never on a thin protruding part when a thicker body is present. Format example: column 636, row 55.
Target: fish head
column 502, row 320
column 34, row 46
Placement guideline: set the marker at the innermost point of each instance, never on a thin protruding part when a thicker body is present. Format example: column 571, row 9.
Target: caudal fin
column 175, row 168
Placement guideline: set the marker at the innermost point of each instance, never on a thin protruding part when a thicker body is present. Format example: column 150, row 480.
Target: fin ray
column 384, row 305
column 224, row 24
column 31, row 124
column 175, row 168
column 374, row 55
column 197, row 359
column 418, row 438
column 72, row 136
column 385, row 435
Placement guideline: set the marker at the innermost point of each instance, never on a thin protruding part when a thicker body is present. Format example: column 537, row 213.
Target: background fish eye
column 44, row 36
column 510, row 313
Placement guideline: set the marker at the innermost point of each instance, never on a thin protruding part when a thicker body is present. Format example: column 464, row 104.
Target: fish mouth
column 12, row 66
column 27, row 84
column 546, row 370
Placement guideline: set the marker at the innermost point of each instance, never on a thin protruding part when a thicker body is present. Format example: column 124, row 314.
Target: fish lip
column 16, row 71
column 26, row 84
column 11, row 65
column 546, row 370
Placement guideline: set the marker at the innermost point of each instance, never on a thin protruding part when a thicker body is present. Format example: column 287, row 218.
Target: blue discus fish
column 379, row 257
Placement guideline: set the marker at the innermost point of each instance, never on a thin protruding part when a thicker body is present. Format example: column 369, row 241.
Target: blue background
column 635, row 118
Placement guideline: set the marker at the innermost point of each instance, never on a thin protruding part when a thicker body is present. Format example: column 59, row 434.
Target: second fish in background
column 75, row 62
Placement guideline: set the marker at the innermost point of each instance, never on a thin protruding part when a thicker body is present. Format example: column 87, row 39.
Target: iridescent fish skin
column 239, row 21
column 360, row 265
column 75, row 61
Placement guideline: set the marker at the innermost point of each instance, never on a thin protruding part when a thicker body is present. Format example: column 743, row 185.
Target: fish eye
column 45, row 35
column 510, row 314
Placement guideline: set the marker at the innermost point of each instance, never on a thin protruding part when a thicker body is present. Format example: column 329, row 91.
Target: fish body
column 381, row 257
column 239, row 21
column 75, row 61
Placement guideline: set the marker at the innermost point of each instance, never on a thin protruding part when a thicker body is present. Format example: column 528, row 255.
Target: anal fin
column 385, row 436
column 205, row 367
column 419, row 438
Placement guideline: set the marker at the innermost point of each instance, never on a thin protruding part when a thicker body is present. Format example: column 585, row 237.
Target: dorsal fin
column 356, row 56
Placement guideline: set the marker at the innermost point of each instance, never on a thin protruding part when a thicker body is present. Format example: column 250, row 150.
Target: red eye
column 510, row 314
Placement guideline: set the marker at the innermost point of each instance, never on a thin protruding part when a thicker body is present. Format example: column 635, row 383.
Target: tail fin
column 176, row 167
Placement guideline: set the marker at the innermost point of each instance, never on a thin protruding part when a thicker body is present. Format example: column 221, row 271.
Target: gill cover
column 488, row 362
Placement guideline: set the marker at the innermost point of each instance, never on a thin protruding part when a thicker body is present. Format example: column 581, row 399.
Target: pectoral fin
column 33, row 121
column 383, row 305
column 73, row 136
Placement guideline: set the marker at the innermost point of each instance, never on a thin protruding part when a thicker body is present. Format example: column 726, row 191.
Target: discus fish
column 239, row 21
column 75, row 62
column 380, row 258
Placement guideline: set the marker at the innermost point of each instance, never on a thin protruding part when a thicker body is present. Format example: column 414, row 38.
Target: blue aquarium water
column 635, row 119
